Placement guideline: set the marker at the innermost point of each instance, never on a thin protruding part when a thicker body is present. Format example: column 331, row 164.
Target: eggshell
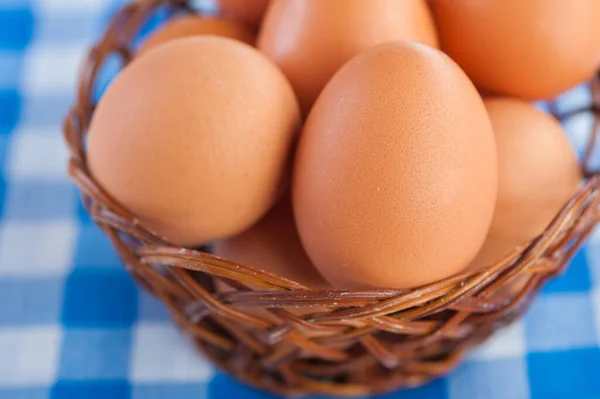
column 273, row 245
column 537, row 175
column 192, row 24
column 311, row 39
column 396, row 171
column 194, row 137
column 531, row 49
column 248, row 11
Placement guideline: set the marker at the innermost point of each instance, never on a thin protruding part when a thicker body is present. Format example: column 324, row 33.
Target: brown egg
column 194, row 138
column 273, row 245
column 190, row 25
column 311, row 39
column 531, row 49
column 537, row 175
column 395, row 176
column 248, row 11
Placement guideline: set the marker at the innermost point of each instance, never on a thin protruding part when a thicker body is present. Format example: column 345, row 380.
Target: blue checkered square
column 64, row 28
column 16, row 29
column 96, row 298
column 8, row 5
column 95, row 249
column 3, row 150
column 10, row 69
column 117, row 389
column 26, row 301
column 22, row 201
column 25, row 393
column 156, row 20
column 575, row 279
column 82, row 215
column 10, row 107
column 574, row 328
column 496, row 379
column 151, row 309
column 111, row 67
column 172, row 390
column 223, row 386
column 45, row 109
column 95, row 354
column 572, row 373
column 437, row 389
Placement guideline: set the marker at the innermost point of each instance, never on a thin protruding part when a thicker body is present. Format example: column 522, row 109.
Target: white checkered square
column 575, row 98
column 52, row 69
column 578, row 130
column 162, row 354
column 29, row 355
column 207, row 6
column 507, row 343
column 37, row 154
column 37, row 248
column 74, row 7
column 497, row 379
column 574, row 329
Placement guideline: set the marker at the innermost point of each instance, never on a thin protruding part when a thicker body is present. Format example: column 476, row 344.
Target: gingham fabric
column 73, row 324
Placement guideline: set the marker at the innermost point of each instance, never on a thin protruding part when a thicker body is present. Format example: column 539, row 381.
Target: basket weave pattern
column 345, row 342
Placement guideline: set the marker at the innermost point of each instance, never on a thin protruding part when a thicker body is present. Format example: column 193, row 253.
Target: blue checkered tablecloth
column 73, row 324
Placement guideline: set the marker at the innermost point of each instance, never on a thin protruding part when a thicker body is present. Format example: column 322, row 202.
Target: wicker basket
column 345, row 342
